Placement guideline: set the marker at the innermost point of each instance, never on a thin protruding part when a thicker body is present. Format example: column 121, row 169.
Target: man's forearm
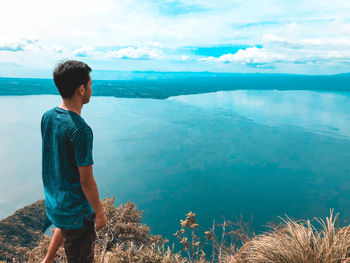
column 91, row 193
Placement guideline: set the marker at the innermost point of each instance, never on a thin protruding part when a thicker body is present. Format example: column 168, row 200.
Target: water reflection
column 197, row 153
column 320, row 112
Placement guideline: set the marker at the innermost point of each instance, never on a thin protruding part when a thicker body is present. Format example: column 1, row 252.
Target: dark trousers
column 79, row 243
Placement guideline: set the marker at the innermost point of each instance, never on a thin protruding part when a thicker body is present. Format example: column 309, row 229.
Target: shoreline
column 163, row 88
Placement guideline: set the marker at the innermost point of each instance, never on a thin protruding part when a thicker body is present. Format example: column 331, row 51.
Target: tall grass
column 298, row 242
column 125, row 239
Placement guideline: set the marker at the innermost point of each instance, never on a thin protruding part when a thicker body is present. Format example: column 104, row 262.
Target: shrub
column 123, row 239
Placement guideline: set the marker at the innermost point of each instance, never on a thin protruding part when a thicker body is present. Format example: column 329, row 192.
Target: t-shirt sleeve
column 82, row 140
column 42, row 125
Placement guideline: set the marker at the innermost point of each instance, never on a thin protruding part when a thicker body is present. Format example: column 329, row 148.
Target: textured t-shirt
column 66, row 145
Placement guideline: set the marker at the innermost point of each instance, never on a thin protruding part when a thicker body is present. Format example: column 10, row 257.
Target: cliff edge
column 24, row 228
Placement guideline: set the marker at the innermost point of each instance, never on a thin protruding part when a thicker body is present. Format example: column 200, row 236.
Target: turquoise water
column 262, row 154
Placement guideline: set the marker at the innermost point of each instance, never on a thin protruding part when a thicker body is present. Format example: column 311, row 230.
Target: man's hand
column 89, row 187
column 101, row 220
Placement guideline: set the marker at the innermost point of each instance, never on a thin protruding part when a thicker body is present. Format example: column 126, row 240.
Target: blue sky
column 272, row 36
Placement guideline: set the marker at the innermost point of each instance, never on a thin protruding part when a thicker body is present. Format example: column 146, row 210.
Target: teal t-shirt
column 66, row 145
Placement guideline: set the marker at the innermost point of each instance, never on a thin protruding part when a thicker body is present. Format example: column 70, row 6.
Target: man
column 71, row 194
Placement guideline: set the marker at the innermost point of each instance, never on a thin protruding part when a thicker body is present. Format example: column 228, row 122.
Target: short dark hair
column 69, row 75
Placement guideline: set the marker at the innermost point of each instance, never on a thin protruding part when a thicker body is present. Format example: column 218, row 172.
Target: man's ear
column 81, row 90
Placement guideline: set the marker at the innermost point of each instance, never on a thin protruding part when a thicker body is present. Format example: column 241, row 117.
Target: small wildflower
column 184, row 240
column 190, row 214
column 209, row 235
column 194, row 225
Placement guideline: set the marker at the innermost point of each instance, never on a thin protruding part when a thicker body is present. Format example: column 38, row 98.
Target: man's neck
column 71, row 105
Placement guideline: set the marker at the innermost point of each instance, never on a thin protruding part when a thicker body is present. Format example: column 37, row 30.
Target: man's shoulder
column 47, row 113
column 66, row 116
column 80, row 123
column 83, row 128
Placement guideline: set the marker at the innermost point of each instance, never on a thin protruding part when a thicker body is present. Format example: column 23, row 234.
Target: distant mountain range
column 161, row 85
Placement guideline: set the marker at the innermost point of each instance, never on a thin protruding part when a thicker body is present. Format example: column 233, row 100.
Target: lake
column 259, row 153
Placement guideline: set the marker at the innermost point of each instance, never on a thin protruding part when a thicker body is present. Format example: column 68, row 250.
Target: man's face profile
column 88, row 92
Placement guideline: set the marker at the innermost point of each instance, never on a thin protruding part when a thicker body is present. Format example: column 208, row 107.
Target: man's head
column 72, row 78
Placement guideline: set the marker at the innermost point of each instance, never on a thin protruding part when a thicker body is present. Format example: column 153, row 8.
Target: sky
column 243, row 36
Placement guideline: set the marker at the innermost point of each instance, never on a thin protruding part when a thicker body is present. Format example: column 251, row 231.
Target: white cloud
column 251, row 55
column 289, row 46
column 280, row 26
column 154, row 44
column 82, row 52
column 136, row 53
column 271, row 38
column 16, row 44
column 328, row 43
column 209, row 59
column 345, row 28
column 56, row 49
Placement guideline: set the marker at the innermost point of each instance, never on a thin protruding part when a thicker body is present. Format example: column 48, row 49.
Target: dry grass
column 143, row 254
column 298, row 242
column 38, row 253
column 219, row 241
column 123, row 239
column 126, row 240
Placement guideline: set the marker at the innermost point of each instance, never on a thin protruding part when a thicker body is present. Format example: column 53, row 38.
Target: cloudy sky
column 303, row 37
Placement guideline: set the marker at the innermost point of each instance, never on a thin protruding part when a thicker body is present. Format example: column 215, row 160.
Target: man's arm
column 89, row 187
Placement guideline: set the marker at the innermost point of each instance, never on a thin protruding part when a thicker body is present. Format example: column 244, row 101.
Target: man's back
column 66, row 144
column 71, row 195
